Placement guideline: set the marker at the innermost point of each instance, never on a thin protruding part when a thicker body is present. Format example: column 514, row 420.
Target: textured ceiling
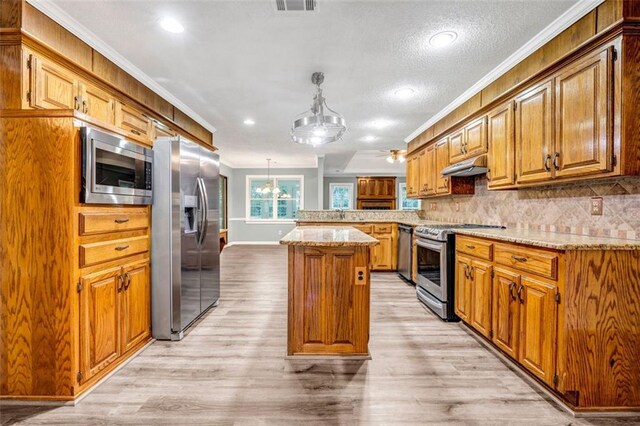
column 242, row 59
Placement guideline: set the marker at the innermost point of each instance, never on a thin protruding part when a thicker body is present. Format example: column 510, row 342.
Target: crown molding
column 564, row 21
column 55, row 12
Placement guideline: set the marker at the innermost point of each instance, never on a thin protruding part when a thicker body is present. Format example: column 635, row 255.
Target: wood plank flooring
column 230, row 369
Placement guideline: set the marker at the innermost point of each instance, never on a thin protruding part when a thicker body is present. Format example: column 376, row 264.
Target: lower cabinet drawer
column 104, row 251
column 367, row 229
column 98, row 223
column 539, row 262
column 383, row 229
column 474, row 247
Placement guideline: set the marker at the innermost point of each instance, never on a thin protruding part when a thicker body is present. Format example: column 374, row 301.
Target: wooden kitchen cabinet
column 99, row 321
column 138, row 126
column 584, row 100
column 413, row 175
column 51, row 86
column 463, row 286
column 441, row 183
column 501, row 156
column 427, row 171
column 538, row 327
column 97, row 103
column 475, row 138
column 480, row 283
column 534, row 133
column 136, row 304
column 456, row 147
column 506, row 311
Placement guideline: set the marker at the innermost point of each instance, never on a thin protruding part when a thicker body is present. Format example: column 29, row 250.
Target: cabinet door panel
column 442, row 161
column 98, row 104
column 52, row 86
column 534, row 137
column 136, row 315
column 463, row 289
column 430, row 170
column 423, row 165
column 382, row 253
column 340, row 299
column 506, row 311
column 538, row 321
column 456, row 147
column 481, row 297
column 475, row 137
column 99, row 321
column 583, row 127
column 501, row 155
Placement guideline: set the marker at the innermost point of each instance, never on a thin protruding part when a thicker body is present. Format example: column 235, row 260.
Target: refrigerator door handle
column 202, row 208
column 205, row 216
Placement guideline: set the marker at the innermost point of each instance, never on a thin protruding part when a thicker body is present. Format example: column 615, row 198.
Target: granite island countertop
column 327, row 236
column 552, row 240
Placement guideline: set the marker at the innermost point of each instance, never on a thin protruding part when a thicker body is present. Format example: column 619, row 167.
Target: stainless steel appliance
column 185, row 236
column 435, row 275
column 114, row 170
column 405, row 251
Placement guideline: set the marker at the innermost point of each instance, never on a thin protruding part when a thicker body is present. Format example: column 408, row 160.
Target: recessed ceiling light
column 249, row 122
column 380, row 123
column 369, row 138
column 404, row 93
column 444, row 38
column 171, row 25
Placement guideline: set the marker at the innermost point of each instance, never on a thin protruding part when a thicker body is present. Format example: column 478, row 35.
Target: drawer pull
column 123, row 220
column 469, row 246
column 135, row 132
column 123, row 247
column 518, row 258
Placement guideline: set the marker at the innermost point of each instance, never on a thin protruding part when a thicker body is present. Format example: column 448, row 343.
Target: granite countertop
column 553, row 240
column 410, row 222
column 327, row 236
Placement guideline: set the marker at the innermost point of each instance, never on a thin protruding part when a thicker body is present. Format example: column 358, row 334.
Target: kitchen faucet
column 342, row 213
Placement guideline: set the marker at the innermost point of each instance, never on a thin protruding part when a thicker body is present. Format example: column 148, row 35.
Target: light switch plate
column 596, row 206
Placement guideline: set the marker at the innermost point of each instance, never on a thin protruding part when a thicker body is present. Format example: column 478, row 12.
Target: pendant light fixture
column 268, row 187
column 321, row 124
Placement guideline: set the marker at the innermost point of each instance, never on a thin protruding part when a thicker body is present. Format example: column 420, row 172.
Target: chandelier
column 321, row 124
column 268, row 187
column 396, row 155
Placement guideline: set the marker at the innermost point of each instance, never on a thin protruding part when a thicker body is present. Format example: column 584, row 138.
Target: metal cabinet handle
column 520, row 297
column 127, row 281
column 471, row 271
column 135, row 132
column 471, row 246
column 466, row 271
column 556, row 157
column 76, row 103
column 122, row 220
column 120, row 282
column 547, row 162
column 518, row 258
column 85, row 108
column 512, row 286
column 123, row 247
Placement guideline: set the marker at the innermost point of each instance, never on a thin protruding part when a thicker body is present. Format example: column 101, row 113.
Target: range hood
column 471, row 167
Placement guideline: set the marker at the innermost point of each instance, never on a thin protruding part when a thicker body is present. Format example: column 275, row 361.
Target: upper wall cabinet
column 501, row 168
column 456, row 147
column 97, row 103
column 469, row 141
column 138, row 126
column 51, row 86
column 583, row 116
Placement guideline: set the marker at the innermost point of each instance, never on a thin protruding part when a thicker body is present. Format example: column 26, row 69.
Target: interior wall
column 243, row 231
column 558, row 208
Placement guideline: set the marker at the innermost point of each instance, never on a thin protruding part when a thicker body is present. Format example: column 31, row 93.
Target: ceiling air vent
column 296, row 5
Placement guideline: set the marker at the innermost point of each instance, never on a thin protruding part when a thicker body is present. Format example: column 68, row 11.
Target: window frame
column 274, row 178
column 351, row 194
column 400, row 185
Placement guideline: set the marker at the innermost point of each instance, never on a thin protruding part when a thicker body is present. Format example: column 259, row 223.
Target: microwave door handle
column 205, row 216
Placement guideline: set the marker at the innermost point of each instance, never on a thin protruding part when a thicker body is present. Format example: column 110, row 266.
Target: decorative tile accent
column 558, row 208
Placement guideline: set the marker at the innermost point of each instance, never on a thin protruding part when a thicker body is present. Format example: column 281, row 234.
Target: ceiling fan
column 394, row 155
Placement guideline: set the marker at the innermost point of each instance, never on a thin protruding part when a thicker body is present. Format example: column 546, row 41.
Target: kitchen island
column 328, row 304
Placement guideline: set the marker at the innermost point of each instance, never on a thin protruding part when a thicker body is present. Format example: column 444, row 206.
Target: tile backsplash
column 558, row 208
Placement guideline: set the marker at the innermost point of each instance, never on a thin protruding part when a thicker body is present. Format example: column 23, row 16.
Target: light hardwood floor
column 230, row 369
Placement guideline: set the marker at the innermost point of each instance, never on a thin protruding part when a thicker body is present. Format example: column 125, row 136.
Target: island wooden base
column 328, row 301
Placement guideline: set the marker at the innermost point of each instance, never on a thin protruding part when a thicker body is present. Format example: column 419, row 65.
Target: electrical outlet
column 457, row 206
column 279, row 231
column 596, row 206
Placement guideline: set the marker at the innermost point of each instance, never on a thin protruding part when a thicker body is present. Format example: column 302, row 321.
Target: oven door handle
column 439, row 246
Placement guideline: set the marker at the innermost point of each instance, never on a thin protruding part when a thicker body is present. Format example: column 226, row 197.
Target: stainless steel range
column 436, row 247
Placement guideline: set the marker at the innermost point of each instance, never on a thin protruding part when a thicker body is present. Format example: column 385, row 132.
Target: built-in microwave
column 114, row 170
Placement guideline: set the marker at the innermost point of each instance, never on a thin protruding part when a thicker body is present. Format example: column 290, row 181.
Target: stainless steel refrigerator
column 185, row 243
